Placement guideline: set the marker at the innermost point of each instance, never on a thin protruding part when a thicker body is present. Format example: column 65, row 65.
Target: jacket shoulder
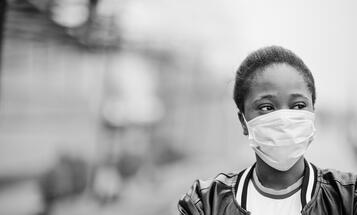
column 340, row 187
column 222, row 180
column 329, row 176
column 201, row 191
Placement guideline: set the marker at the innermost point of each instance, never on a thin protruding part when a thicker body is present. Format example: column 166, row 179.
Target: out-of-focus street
column 116, row 107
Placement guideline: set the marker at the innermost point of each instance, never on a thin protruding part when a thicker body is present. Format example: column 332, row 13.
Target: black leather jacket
column 323, row 191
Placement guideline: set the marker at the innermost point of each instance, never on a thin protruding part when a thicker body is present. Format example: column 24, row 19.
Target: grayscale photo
column 163, row 107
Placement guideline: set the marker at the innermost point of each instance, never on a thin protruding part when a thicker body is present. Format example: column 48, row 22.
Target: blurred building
column 51, row 84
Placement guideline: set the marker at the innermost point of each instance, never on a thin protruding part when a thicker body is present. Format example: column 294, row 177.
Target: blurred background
column 117, row 106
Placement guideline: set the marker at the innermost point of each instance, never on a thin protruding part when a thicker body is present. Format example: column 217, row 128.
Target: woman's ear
column 243, row 123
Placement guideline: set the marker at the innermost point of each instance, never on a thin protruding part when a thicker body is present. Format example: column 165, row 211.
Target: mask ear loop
column 245, row 122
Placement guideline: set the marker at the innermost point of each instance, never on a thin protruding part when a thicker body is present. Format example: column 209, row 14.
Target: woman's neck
column 275, row 179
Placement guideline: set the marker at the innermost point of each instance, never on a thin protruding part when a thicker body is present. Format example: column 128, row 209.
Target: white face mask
column 281, row 137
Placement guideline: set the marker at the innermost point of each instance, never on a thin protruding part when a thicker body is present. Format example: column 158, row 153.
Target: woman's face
column 276, row 87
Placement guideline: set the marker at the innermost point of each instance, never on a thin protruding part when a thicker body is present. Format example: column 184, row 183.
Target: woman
column 275, row 94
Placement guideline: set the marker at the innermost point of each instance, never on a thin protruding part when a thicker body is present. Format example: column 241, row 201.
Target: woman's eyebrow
column 269, row 96
column 298, row 95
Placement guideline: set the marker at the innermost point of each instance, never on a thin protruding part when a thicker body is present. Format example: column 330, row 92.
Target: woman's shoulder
column 329, row 176
column 202, row 192
column 222, row 180
column 339, row 185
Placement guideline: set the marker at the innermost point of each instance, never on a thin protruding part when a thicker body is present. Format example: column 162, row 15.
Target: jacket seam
column 323, row 182
column 205, row 188
column 195, row 202
column 227, row 175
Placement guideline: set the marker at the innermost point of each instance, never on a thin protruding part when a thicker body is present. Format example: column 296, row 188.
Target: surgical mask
column 281, row 138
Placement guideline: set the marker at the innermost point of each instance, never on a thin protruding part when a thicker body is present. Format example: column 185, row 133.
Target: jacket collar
column 307, row 188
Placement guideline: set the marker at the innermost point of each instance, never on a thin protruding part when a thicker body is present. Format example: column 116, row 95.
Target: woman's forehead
column 277, row 78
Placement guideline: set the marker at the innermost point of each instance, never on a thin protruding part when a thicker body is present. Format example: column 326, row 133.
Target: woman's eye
column 266, row 107
column 299, row 106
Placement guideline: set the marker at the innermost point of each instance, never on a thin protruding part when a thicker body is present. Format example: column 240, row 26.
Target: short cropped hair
column 260, row 59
